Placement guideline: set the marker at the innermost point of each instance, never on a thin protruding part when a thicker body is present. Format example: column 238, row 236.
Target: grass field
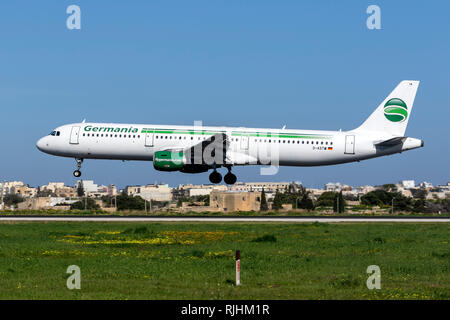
column 196, row 261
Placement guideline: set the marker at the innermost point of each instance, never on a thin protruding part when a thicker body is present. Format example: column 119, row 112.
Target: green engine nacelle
column 175, row 161
column 168, row 160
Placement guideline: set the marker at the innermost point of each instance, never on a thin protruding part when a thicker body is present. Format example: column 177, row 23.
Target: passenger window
column 331, row 143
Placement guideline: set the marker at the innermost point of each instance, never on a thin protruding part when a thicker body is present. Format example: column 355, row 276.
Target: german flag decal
column 330, row 148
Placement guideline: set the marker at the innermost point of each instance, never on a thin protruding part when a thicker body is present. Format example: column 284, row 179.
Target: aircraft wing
column 210, row 151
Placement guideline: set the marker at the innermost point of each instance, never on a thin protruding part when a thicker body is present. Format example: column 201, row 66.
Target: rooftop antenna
column 84, row 120
column 284, row 127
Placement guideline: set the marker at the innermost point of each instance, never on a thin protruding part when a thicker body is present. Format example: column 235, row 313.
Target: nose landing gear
column 77, row 173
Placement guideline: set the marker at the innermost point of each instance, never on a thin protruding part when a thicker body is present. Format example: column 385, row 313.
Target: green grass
column 196, row 261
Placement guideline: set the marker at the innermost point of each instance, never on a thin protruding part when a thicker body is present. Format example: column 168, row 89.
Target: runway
column 264, row 219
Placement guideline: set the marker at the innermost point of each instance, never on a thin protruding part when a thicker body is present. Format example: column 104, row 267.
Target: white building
column 156, row 192
column 89, row 186
column 333, row 186
column 7, row 187
column 407, row 184
column 191, row 190
column 426, row 185
column 269, row 187
column 52, row 186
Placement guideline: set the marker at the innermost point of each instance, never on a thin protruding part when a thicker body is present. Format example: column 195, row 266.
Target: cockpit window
column 55, row 133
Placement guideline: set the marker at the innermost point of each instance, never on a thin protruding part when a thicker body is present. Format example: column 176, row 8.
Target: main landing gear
column 77, row 173
column 216, row 177
column 229, row 177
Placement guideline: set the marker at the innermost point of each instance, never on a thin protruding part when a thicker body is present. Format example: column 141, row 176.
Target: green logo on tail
column 395, row 110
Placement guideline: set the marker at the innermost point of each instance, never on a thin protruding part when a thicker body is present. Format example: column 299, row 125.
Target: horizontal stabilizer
column 391, row 142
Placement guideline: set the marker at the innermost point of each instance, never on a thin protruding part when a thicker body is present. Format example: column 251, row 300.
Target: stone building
column 235, row 200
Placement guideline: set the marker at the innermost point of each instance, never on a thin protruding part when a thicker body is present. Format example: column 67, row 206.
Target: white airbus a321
column 195, row 149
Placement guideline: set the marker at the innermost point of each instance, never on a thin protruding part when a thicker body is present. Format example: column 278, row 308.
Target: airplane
column 195, row 149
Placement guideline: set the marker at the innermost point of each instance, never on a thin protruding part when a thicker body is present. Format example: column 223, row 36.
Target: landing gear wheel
column 215, row 177
column 77, row 173
column 230, row 178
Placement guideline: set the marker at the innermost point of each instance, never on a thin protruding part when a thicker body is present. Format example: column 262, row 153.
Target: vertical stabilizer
column 393, row 113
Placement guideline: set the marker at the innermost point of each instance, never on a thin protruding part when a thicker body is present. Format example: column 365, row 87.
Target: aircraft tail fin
column 393, row 113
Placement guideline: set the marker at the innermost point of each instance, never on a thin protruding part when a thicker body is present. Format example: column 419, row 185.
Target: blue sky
column 303, row 64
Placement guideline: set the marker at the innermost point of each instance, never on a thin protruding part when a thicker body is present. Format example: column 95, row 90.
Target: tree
column 263, row 206
column 389, row 187
column 126, row 202
column 326, row 199
column 377, row 198
column 277, row 201
column 419, row 193
column 419, row 205
column 90, row 205
column 339, row 203
column 306, row 202
column 80, row 189
column 12, row 199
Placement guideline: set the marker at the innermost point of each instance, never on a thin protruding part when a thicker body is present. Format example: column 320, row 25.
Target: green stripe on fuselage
column 238, row 134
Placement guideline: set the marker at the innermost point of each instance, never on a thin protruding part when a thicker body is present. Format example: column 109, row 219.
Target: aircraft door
column 149, row 138
column 244, row 142
column 74, row 134
column 349, row 145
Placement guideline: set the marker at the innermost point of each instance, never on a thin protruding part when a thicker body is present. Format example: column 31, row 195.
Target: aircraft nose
column 42, row 145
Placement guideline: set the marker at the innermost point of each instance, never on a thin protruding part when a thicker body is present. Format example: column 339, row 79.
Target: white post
column 238, row 267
